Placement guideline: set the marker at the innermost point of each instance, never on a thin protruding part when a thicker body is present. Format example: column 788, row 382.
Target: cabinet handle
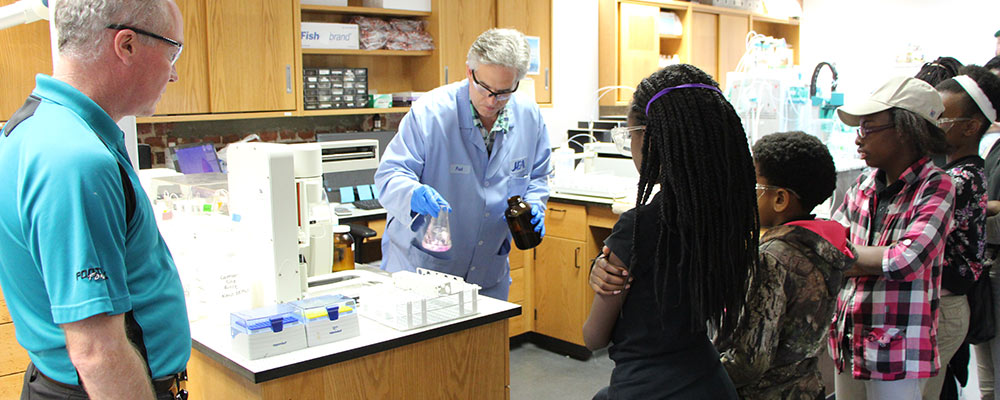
column 553, row 209
column 288, row 78
column 445, row 74
column 576, row 256
column 546, row 79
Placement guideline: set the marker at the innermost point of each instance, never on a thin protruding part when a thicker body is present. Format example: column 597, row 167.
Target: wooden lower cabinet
column 13, row 358
column 10, row 385
column 560, row 276
column 520, row 291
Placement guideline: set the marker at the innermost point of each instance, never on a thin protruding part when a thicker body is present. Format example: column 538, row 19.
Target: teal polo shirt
column 66, row 251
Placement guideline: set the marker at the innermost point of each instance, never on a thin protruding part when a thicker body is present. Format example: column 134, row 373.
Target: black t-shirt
column 655, row 355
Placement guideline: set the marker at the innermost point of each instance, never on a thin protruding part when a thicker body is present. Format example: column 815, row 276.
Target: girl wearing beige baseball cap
column 897, row 215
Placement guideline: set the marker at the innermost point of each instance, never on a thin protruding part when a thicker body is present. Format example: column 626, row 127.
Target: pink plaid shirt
column 890, row 321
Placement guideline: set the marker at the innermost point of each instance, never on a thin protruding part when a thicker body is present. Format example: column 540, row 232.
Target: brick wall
column 159, row 136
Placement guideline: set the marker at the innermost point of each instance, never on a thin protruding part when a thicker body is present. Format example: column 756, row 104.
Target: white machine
column 315, row 224
column 604, row 172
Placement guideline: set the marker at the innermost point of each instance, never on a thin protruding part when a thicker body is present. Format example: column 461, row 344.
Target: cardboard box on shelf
column 412, row 5
column 322, row 35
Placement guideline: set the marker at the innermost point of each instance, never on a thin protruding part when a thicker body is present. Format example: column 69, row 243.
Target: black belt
column 160, row 385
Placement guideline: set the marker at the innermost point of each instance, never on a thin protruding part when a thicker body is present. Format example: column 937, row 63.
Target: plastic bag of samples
column 373, row 33
column 409, row 35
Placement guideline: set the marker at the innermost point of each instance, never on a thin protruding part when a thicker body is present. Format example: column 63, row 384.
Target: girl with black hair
column 938, row 70
column 689, row 249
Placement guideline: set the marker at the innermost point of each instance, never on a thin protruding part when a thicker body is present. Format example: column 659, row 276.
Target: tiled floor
column 536, row 373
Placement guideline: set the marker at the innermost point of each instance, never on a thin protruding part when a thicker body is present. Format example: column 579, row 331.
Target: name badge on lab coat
column 460, row 169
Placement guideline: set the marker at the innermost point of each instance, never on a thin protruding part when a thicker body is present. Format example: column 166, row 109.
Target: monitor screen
column 195, row 158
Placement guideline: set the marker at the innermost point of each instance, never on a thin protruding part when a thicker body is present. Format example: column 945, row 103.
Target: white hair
column 503, row 47
column 81, row 23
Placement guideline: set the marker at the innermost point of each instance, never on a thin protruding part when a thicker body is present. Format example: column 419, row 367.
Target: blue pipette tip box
column 267, row 331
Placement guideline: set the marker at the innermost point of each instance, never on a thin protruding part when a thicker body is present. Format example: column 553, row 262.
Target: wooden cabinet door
column 533, row 18
column 638, row 44
column 26, row 51
column 251, row 55
column 461, row 22
column 705, row 43
column 189, row 95
column 560, row 274
column 733, row 31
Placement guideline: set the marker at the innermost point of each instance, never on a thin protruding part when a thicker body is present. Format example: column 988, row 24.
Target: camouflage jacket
column 783, row 325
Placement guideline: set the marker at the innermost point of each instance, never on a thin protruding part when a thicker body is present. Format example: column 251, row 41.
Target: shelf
column 664, row 4
column 213, row 117
column 784, row 21
column 663, row 36
column 365, row 11
column 355, row 111
column 718, row 9
column 343, row 52
column 268, row 114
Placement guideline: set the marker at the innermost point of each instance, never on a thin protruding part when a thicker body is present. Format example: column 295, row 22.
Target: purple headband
column 687, row 85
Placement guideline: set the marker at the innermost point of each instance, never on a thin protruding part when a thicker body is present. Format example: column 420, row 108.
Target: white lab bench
column 467, row 358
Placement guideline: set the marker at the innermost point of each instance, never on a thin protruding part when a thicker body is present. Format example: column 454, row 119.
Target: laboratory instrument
column 518, row 217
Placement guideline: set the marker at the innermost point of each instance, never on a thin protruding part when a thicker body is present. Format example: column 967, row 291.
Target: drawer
column 516, row 286
column 4, row 314
column 10, row 386
column 567, row 221
column 515, row 325
column 601, row 216
column 13, row 358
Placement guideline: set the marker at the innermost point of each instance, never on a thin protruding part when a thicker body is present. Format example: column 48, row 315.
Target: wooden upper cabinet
column 251, row 55
column 533, row 18
column 26, row 51
column 733, row 31
column 638, row 44
column 705, row 43
column 189, row 94
column 461, row 22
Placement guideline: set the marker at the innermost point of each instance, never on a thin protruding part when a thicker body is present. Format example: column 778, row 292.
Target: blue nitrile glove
column 427, row 201
column 538, row 220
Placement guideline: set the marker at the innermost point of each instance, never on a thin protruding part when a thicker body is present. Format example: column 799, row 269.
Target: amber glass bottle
column 519, row 221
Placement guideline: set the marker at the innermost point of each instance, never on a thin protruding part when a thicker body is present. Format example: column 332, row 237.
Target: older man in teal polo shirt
column 91, row 287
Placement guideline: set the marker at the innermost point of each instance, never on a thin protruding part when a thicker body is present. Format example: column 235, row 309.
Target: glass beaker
column 437, row 238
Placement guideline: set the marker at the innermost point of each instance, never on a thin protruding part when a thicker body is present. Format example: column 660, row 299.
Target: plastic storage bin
column 267, row 331
column 419, row 299
column 328, row 318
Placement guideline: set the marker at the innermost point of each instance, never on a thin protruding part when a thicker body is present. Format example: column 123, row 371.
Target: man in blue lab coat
column 467, row 147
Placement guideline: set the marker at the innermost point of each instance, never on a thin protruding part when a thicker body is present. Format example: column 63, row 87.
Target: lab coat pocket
column 884, row 349
column 423, row 258
column 504, row 248
column 517, row 186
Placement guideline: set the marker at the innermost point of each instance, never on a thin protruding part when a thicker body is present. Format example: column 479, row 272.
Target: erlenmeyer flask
column 438, row 235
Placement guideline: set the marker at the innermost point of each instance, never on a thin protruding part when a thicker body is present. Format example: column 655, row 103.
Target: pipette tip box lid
column 328, row 318
column 267, row 331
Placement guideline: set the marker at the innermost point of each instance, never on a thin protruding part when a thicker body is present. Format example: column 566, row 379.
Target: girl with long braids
column 686, row 253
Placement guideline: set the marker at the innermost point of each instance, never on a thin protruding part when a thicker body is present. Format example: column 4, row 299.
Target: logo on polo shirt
column 92, row 274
